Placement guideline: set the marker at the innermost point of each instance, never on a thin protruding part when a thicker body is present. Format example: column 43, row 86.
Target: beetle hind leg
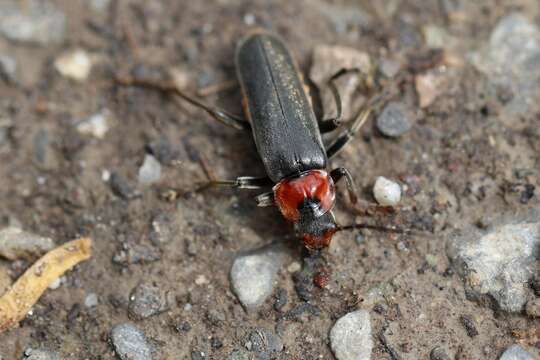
column 348, row 133
column 220, row 115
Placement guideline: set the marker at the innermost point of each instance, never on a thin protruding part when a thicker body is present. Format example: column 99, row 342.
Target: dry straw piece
column 21, row 296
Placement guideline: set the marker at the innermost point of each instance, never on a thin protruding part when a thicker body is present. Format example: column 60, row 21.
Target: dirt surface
column 459, row 163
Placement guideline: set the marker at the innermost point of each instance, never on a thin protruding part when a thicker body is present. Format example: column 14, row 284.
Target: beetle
column 287, row 136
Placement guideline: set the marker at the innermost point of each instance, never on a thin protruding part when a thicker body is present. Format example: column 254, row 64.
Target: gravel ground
column 178, row 274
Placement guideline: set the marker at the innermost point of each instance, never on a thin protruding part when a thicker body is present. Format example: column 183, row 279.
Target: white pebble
column 150, row 171
column 96, row 125
column 201, row 280
column 75, row 65
column 56, row 283
column 350, row 337
column 386, row 192
column 91, row 300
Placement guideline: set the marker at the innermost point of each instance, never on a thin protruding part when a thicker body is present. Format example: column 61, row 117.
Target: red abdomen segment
column 289, row 194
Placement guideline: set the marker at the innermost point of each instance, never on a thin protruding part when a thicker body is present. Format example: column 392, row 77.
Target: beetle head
column 314, row 229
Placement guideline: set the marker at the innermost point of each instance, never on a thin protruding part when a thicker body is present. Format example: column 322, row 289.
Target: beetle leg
column 265, row 199
column 242, row 182
column 222, row 116
column 328, row 125
column 341, row 172
column 348, row 133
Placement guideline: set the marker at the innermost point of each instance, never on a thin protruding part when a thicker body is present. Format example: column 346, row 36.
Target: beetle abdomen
column 284, row 125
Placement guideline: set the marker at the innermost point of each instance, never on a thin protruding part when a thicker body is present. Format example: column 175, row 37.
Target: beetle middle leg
column 222, row 116
column 338, row 174
column 242, row 182
column 328, row 125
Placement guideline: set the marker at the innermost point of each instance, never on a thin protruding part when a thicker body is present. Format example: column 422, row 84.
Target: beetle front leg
column 242, row 182
column 338, row 174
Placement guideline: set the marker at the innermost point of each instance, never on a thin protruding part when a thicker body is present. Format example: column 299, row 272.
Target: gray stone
column 389, row 67
column 163, row 229
column 516, row 352
column 511, row 60
column 499, row 262
column 130, row 343
column 99, row 5
column 39, row 354
column 74, row 64
column 394, row 120
column 132, row 253
column 150, row 171
column 238, row 355
column 533, row 308
column 350, row 336
column 8, row 68
column 16, row 244
column 44, row 153
column 96, row 125
column 91, row 300
column 32, row 21
column 147, row 300
column 253, row 275
column 438, row 353
column 265, row 343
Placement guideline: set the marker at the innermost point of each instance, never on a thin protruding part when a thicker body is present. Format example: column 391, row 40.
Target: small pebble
column 533, row 307
column 56, row 283
column 130, row 343
column 8, row 68
column 238, row 355
column 386, row 192
column 91, row 300
column 516, row 352
column 394, row 120
column 120, row 187
column 147, row 300
column 350, row 337
column 253, row 275
column 265, row 343
column 249, row 19
column 39, row 354
column 163, row 229
column 18, row 244
column 99, row 5
column 294, row 267
column 429, row 86
column 75, row 65
column 96, row 125
column 469, row 325
column 150, row 171
column 132, row 253
column 281, row 299
column 438, row 353
column 201, row 280
column 389, row 67
column 37, row 22
column 198, row 355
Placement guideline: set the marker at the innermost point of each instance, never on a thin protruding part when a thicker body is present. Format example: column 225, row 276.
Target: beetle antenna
column 390, row 229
